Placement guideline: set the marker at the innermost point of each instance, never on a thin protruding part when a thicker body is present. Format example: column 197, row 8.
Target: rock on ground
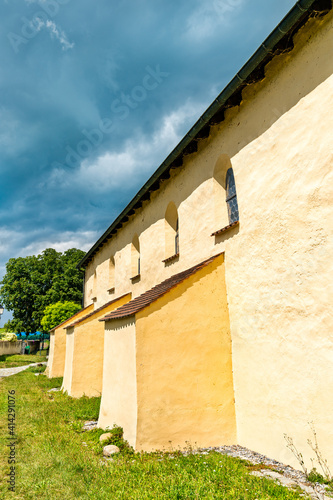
column 110, row 449
column 105, row 437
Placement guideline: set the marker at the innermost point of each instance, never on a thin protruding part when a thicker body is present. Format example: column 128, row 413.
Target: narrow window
column 135, row 257
column 231, row 197
column 177, row 238
column 94, row 289
column 111, row 275
column 171, row 231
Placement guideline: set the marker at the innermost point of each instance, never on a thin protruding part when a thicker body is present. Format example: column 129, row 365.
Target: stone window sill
column 226, row 228
column 171, row 259
column 111, row 290
column 136, row 278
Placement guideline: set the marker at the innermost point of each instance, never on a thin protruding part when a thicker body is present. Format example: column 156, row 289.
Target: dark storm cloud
column 94, row 95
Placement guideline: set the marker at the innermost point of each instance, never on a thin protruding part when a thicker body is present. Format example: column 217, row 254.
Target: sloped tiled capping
column 167, row 364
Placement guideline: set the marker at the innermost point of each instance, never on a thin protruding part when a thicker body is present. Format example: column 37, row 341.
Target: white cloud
column 38, row 24
column 61, row 242
column 59, row 34
column 13, row 242
column 210, row 15
column 140, row 154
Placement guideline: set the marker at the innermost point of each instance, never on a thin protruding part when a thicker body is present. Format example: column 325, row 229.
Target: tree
column 32, row 283
column 57, row 313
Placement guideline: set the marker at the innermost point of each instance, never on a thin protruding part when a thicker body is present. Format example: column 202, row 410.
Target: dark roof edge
column 301, row 11
column 71, row 317
column 95, row 311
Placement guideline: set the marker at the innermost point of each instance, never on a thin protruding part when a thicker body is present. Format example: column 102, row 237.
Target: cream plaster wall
column 87, row 369
column 68, row 371
column 284, row 251
column 85, row 375
column 57, row 352
column 278, row 262
column 119, row 397
column 51, row 354
column 184, row 368
column 290, row 78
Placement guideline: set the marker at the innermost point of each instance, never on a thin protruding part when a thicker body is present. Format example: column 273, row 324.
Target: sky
column 95, row 94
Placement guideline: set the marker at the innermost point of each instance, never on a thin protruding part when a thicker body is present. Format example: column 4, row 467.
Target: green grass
column 13, row 360
column 57, row 461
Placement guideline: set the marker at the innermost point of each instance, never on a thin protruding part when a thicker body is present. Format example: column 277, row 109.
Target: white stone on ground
column 105, row 437
column 110, row 449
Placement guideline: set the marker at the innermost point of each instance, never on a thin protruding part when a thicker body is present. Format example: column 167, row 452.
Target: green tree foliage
column 9, row 326
column 55, row 314
column 32, row 283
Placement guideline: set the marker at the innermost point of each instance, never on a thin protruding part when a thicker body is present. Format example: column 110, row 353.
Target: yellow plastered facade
column 278, row 262
column 168, row 370
column 57, row 351
column 184, row 366
column 83, row 374
column 119, row 396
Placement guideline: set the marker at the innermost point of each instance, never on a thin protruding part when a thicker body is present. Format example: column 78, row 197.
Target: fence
column 10, row 347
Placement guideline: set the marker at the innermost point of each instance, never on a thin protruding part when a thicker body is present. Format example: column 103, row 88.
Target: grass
column 13, row 360
column 55, row 460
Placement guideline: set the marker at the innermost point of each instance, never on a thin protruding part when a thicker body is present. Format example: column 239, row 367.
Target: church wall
column 88, row 353
column 57, row 352
column 88, row 360
column 279, row 286
column 119, row 397
column 278, row 268
column 278, row 263
column 184, row 368
column 67, row 380
column 191, row 188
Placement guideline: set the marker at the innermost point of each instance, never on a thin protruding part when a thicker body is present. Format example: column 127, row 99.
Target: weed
column 296, row 453
column 322, row 462
column 312, row 476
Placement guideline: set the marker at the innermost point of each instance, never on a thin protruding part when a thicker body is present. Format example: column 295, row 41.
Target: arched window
column 231, row 197
column 226, row 215
column 177, row 238
column 171, row 231
column 111, row 275
column 94, row 288
column 135, row 256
